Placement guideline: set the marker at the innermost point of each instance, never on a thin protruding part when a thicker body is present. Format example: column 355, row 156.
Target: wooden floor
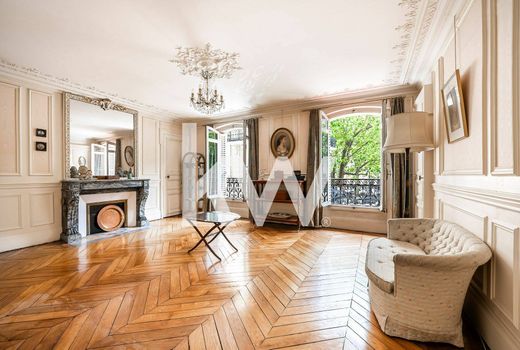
column 283, row 289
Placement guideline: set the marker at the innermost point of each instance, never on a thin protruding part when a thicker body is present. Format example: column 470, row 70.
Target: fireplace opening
column 106, row 216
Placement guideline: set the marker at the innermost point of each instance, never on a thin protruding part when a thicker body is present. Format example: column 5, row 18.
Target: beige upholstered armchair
column 419, row 276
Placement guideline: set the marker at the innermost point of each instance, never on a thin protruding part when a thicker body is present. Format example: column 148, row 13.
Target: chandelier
column 207, row 101
column 209, row 65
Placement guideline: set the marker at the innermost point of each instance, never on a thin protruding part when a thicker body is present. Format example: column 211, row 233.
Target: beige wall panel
column 40, row 116
column 150, row 146
column 298, row 124
column 153, row 203
column 10, row 212
column 502, row 132
column 41, row 208
column 303, row 140
column 264, row 135
column 505, row 273
column 469, row 61
column 458, row 211
column 9, row 129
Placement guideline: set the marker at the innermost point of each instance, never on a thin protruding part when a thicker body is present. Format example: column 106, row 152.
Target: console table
column 71, row 189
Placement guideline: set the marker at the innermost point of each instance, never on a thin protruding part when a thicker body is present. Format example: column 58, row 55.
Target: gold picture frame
column 454, row 111
column 282, row 143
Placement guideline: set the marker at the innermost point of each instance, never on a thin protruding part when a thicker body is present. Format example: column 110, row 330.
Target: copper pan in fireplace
column 110, row 218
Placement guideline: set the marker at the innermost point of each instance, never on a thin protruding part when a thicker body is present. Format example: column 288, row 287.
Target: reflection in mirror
column 101, row 139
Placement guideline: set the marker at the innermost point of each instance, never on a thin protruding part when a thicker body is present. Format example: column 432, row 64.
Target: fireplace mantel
column 71, row 189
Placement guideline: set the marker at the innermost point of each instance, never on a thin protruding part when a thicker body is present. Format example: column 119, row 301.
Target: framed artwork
column 41, row 132
column 454, row 111
column 282, row 143
column 41, row 146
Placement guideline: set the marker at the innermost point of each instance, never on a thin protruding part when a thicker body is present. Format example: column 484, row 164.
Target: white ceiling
column 289, row 49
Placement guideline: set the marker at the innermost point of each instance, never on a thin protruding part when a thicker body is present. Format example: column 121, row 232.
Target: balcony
column 234, row 188
column 364, row 193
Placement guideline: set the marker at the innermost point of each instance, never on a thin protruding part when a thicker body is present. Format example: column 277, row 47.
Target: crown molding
column 435, row 41
column 426, row 14
column 334, row 100
column 34, row 75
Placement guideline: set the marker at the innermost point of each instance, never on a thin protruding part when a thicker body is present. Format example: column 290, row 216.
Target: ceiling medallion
column 209, row 65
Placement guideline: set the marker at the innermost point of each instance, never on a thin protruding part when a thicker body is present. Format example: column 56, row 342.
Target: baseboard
column 497, row 332
column 29, row 238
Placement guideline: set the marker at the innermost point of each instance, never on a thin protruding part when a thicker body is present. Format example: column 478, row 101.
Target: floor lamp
column 409, row 132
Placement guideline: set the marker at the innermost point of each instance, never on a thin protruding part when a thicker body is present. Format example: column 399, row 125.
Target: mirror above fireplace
column 100, row 135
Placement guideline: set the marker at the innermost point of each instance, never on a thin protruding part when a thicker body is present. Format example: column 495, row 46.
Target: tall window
column 355, row 161
column 212, row 159
column 234, row 164
column 225, row 149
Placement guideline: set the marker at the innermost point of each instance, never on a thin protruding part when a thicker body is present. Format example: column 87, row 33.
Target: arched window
column 355, row 164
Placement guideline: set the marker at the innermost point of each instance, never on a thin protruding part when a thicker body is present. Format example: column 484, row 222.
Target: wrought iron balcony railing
column 349, row 192
column 234, row 188
column 354, row 192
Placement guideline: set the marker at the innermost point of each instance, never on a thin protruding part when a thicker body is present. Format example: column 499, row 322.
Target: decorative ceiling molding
column 425, row 21
column 65, row 84
column 406, row 31
column 340, row 99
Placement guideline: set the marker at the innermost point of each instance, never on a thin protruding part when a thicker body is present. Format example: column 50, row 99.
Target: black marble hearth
column 73, row 188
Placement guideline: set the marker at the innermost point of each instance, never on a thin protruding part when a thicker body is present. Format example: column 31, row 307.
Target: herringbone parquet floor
column 283, row 289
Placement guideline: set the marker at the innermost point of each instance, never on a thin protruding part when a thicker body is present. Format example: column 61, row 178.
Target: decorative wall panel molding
column 505, row 270
column 503, row 110
column 65, row 84
column 10, row 212
column 504, row 200
column 476, row 224
column 41, row 208
column 150, row 147
column 10, row 157
column 40, row 109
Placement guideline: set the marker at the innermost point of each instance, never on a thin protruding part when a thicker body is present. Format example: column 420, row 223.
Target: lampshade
column 412, row 130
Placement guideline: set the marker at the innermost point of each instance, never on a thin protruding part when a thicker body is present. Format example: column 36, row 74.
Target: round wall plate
column 110, row 218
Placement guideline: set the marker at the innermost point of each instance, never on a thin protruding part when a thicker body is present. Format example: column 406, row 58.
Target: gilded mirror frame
column 103, row 103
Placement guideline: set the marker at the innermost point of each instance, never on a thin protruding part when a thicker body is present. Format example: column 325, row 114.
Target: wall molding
column 34, row 75
column 52, row 219
column 490, row 322
column 515, row 232
column 344, row 99
column 494, row 151
column 516, row 86
column 18, row 130
column 32, row 185
column 50, row 127
column 483, row 222
column 20, row 219
column 504, row 200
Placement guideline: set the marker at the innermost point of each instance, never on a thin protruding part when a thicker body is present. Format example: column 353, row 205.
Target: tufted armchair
column 419, row 276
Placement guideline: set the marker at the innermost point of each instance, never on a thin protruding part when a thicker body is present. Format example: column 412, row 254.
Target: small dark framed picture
column 41, row 132
column 41, row 146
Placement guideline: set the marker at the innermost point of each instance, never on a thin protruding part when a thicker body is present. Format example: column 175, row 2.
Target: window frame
column 345, row 112
column 209, row 140
column 222, row 130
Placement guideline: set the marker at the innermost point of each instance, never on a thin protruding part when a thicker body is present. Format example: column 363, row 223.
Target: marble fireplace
column 78, row 194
